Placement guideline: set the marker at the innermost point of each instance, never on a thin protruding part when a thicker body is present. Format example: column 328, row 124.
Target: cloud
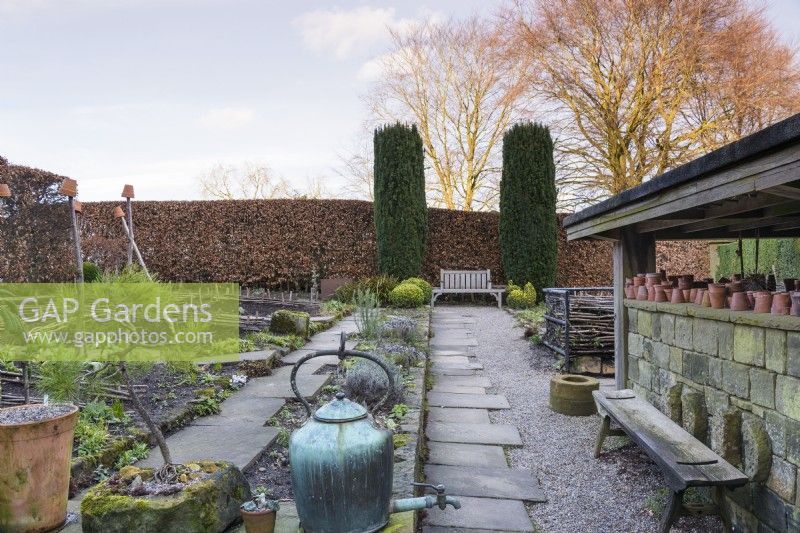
column 226, row 118
column 346, row 32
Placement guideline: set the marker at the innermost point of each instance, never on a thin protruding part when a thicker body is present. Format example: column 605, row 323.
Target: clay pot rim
column 73, row 410
column 257, row 512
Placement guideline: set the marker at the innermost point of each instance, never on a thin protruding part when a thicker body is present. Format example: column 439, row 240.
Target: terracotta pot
column 795, row 309
column 5, row 191
column 638, row 281
column 69, row 187
column 692, row 295
column 127, row 191
column 630, row 292
column 763, row 302
column 698, row 300
column 717, row 295
column 686, row 294
column 706, row 299
column 652, row 279
column 739, row 301
column 660, row 295
column 651, row 293
column 677, row 297
column 641, row 293
column 668, row 292
column 781, row 303
column 35, row 458
column 258, row 521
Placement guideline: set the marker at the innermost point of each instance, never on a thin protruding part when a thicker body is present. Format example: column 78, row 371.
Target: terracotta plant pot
column 660, row 295
column 739, row 302
column 692, row 295
column 69, row 187
column 717, row 295
column 698, row 299
column 781, row 303
column 5, row 190
column 667, row 292
column 641, row 293
column 677, row 297
column 706, row 299
column 630, row 292
column 652, row 278
column 795, row 309
column 638, row 281
column 127, row 191
column 651, row 293
column 259, row 521
column 35, row 458
column 763, row 302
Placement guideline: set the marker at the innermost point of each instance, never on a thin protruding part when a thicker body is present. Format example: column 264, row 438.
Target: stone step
column 216, row 438
column 467, row 433
column 480, row 401
column 453, row 343
column 447, row 371
column 452, row 453
column 510, row 483
column 450, row 359
column 316, row 363
column 458, row 389
column 245, row 406
column 457, row 366
column 464, row 381
column 482, row 513
column 455, row 415
column 446, row 353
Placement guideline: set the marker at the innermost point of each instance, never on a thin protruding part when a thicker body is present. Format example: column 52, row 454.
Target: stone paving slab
column 446, row 353
column 464, row 366
column 244, row 407
column 451, row 359
column 500, row 434
column 315, row 363
column 464, row 381
column 511, row 483
column 447, row 371
column 454, row 415
column 479, row 401
column 458, row 389
column 277, row 385
column 482, row 513
column 241, row 443
column 452, row 453
column 292, row 357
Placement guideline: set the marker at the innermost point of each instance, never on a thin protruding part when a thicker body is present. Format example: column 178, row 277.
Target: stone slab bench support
column 466, row 282
column 684, row 460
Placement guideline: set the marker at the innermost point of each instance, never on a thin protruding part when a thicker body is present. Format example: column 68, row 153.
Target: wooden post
column 128, row 194
column 633, row 253
column 76, row 238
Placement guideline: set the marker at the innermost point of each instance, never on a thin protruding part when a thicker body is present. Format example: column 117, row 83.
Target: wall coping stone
column 764, row 320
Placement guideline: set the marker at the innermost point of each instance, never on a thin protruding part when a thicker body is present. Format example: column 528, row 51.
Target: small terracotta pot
column 660, row 295
column 641, row 293
column 686, row 294
column 127, row 191
column 739, row 301
column 692, row 295
column 795, row 309
column 668, row 291
column 652, row 279
column 706, row 299
column 677, row 297
column 698, row 299
column 763, row 302
column 651, row 293
column 717, row 295
column 781, row 303
column 638, row 281
column 258, row 521
column 5, row 191
column 69, row 187
column 630, row 292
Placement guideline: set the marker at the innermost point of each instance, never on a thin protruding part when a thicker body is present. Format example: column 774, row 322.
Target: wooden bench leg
column 672, row 511
column 605, row 425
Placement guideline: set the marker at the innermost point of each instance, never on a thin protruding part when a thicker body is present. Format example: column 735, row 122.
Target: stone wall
column 733, row 380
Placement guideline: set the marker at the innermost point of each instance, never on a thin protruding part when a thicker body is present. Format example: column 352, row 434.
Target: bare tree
column 356, row 168
column 452, row 80
column 636, row 87
column 249, row 181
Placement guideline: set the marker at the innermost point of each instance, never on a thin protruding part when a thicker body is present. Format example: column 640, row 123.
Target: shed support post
column 633, row 253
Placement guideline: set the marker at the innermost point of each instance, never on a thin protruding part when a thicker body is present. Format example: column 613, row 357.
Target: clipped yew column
column 69, row 188
column 633, row 253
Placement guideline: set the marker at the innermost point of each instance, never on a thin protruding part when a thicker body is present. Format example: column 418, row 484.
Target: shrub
column 368, row 317
column 402, row 355
column 344, row 293
column 401, row 327
column 522, row 299
column 381, row 286
column 285, row 322
column 400, row 212
column 427, row 290
column 367, row 382
column 91, row 272
column 528, row 225
column 407, row 295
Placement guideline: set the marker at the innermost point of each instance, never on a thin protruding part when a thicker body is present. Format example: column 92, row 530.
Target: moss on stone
column 285, row 322
column 400, row 440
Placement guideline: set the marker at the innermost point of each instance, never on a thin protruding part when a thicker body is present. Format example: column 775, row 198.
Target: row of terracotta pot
column 714, row 295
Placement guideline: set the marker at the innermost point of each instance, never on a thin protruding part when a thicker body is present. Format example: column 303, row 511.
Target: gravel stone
column 34, row 413
column 613, row 493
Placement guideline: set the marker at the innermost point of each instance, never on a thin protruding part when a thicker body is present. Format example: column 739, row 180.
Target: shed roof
column 749, row 187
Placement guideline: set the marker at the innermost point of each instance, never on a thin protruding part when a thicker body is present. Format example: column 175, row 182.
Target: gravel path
column 617, row 493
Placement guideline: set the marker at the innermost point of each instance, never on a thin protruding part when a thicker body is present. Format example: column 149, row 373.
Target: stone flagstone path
column 466, row 453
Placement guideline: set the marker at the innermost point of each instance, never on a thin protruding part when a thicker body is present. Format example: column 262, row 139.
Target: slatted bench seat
column 685, row 461
column 466, row 282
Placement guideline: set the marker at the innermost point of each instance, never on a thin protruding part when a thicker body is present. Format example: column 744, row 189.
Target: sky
column 155, row 92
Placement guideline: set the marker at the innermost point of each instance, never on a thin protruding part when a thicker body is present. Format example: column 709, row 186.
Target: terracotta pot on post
column 717, row 295
column 35, row 459
column 641, row 293
column 5, row 190
column 781, row 303
column 739, row 302
column 795, row 309
column 763, row 302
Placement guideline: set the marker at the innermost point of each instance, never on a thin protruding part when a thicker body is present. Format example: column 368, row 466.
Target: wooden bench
column 466, row 282
column 685, row 461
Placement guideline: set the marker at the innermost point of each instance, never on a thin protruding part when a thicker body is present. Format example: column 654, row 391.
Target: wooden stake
column 76, row 238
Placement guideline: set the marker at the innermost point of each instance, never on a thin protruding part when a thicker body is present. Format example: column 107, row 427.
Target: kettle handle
column 342, row 354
